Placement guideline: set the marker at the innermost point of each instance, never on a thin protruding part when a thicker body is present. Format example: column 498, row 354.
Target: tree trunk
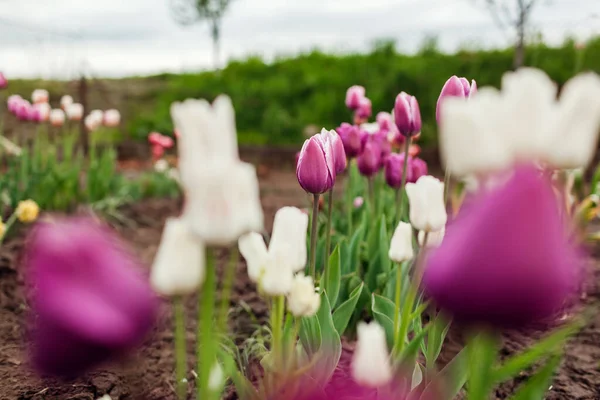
column 83, row 97
column 519, row 57
column 216, row 37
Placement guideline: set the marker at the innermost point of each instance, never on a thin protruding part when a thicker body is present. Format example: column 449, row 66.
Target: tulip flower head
column 27, row 211
column 418, row 168
column 161, row 166
column 65, row 102
column 455, row 87
column 74, row 112
column 426, row 200
column 3, row 81
column 354, row 95
column 316, row 166
column 303, row 300
column 13, row 101
column 43, row 110
column 112, row 118
column 358, row 202
column 401, row 248
column 352, row 138
column 364, row 109
column 371, row 362
column 34, row 114
column 394, row 166
column 385, row 121
column 178, row 267
column 507, row 261
column 369, row 160
column 407, row 115
column 57, row 117
column 434, row 239
column 337, row 148
column 91, row 301
column 40, row 96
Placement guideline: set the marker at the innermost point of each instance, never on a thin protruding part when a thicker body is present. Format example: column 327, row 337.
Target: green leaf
column 483, row 350
column 331, row 345
column 514, row 365
column 384, row 246
column 411, row 351
column 537, row 385
column 383, row 312
column 435, row 339
column 333, row 276
column 452, row 378
column 310, row 335
column 354, row 251
column 342, row 315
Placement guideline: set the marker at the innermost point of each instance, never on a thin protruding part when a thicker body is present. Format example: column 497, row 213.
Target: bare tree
column 188, row 12
column 514, row 15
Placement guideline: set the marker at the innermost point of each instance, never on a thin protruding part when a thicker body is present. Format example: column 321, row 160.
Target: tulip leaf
column 345, row 257
column 514, row 365
column 435, row 339
column 331, row 345
column 411, row 351
column 537, row 385
column 595, row 179
column 333, row 276
column 384, row 245
column 355, row 242
column 451, row 378
column 482, row 352
column 383, row 312
column 310, row 335
column 342, row 315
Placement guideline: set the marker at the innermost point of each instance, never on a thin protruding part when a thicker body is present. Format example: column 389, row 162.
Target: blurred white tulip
column 434, row 239
column 254, row 250
column 178, row 267
column 40, row 96
column 371, row 365
column 401, row 247
column 57, row 117
column 74, row 112
column 216, row 378
column 303, row 300
column 289, row 236
column 161, row 166
column 427, row 208
column 43, row 110
column 112, row 118
column 66, row 101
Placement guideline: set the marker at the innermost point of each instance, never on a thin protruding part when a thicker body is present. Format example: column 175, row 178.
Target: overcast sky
column 62, row 38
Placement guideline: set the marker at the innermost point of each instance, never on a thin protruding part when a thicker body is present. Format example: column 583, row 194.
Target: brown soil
column 147, row 373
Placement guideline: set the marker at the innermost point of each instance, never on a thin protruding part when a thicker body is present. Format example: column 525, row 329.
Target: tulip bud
column 358, row 202
column 57, row 117
column 253, row 249
column 370, row 159
column 353, row 97
column 455, row 87
column 401, row 248
column 394, row 166
column 43, row 110
column 91, row 123
column 216, row 378
column 13, row 101
column 289, row 236
column 371, row 363
column 40, row 96
column 418, row 168
column 161, row 166
column 303, row 300
column 407, row 115
column 427, row 208
column 22, row 110
column 112, row 118
column 364, row 109
column 385, row 121
column 277, row 278
column 337, row 148
column 34, row 114
column 178, row 267
column 27, row 211
column 508, row 261
column 74, row 112
column 65, row 102
column 352, row 139
column 316, row 167
column 434, row 239
column 91, row 299
column 98, row 115
column 3, row 81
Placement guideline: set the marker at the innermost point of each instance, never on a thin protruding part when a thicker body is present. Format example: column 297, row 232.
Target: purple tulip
column 407, row 115
column 418, row 168
column 339, row 154
column 369, row 161
column 455, row 87
column 13, row 103
column 506, row 260
column 364, row 109
column 354, row 95
column 316, row 166
column 384, row 119
column 34, row 114
column 352, row 138
column 22, row 112
column 91, row 301
column 394, row 167
column 3, row 81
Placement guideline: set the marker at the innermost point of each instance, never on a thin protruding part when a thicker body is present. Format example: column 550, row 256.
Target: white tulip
column 223, row 202
column 97, row 115
column 303, row 300
column 434, row 239
column 40, row 96
column 216, row 378
column 289, row 236
column 178, row 267
column 370, row 128
column 207, row 134
column 401, row 248
column 161, row 166
column 371, row 363
column 43, row 110
column 75, row 112
column 427, row 208
column 57, row 117
column 66, row 101
column 278, row 278
column 112, row 118
column 253, row 249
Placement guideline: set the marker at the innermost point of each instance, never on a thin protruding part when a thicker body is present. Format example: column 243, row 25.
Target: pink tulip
column 407, row 115
column 455, row 87
column 354, row 96
column 315, row 169
column 3, row 81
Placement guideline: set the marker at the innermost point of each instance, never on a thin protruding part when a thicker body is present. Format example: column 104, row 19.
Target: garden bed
column 148, row 374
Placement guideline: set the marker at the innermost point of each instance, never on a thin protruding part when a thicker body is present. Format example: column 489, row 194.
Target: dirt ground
column 147, row 374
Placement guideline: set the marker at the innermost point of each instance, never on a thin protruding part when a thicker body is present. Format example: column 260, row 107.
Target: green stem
column 277, row 312
column 206, row 345
column 446, row 185
column 404, row 173
column 397, row 302
column 9, row 223
column 328, row 233
column 180, row 349
column 227, row 288
column 313, row 236
column 371, row 190
column 349, row 199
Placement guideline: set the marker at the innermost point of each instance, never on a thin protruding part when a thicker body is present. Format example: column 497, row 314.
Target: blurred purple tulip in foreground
column 506, row 261
column 90, row 301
